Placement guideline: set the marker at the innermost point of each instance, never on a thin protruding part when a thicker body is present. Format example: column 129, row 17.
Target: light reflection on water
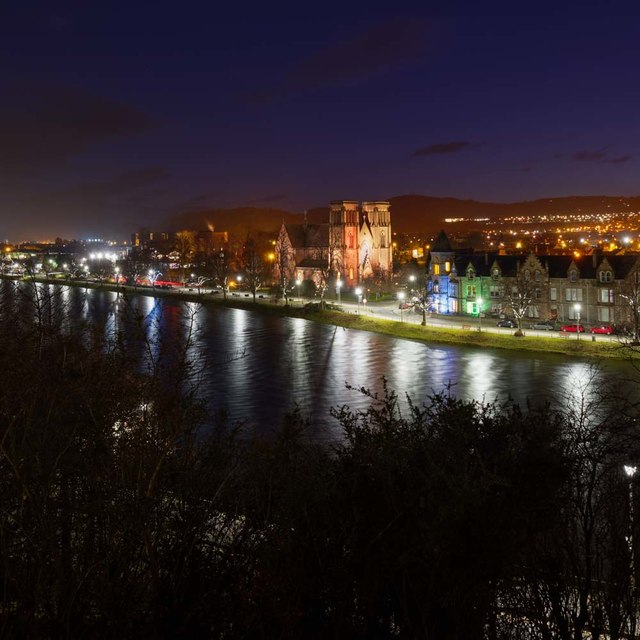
column 259, row 367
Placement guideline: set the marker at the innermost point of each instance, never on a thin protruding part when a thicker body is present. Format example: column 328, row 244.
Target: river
column 259, row 365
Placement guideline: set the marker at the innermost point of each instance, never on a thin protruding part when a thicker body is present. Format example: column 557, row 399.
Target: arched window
column 606, row 276
column 495, row 273
column 573, row 276
column 383, row 240
column 471, row 274
column 537, row 275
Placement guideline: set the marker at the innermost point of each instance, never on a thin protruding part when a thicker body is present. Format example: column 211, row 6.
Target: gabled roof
column 441, row 243
column 308, row 235
column 558, row 266
column 622, row 265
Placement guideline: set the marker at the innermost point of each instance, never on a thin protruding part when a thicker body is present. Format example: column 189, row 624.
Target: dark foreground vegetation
column 122, row 516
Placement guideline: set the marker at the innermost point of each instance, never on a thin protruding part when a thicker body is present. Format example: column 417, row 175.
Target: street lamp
column 298, row 283
column 577, row 308
column 359, row 295
column 401, row 298
column 338, row 285
column 117, row 272
column 631, row 472
column 480, row 314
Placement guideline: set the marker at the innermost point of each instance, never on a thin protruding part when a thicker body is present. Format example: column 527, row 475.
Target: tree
column 284, row 265
column 185, row 246
column 630, row 294
column 329, row 265
column 520, row 296
column 252, row 265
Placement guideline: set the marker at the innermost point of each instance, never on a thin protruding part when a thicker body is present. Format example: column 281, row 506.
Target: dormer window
column 606, row 276
column 447, row 266
column 471, row 274
column 537, row 275
column 495, row 274
column 573, row 276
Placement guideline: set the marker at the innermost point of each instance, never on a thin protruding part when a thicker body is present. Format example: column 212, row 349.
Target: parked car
column 572, row 328
column 543, row 326
column 507, row 323
column 405, row 305
column 605, row 329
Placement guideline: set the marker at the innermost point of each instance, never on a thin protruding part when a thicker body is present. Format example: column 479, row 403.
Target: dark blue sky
column 114, row 115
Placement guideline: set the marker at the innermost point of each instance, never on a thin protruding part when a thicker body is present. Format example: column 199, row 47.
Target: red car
column 573, row 328
column 606, row 329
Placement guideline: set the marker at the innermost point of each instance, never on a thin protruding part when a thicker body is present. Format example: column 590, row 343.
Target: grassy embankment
column 568, row 345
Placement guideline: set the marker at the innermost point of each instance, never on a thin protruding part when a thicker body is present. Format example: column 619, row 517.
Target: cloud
column 46, row 127
column 367, row 54
column 620, row 159
column 440, row 148
column 122, row 184
column 599, row 156
column 589, row 156
column 276, row 197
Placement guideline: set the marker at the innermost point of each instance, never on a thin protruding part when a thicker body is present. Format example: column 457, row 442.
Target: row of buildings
column 595, row 288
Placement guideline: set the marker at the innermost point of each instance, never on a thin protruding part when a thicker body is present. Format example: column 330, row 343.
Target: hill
column 409, row 213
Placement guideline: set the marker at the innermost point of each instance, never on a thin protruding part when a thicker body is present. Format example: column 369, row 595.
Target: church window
column 537, row 275
column 573, row 276
column 383, row 240
column 351, row 244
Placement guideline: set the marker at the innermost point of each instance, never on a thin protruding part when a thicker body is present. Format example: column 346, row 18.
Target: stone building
column 352, row 245
column 599, row 288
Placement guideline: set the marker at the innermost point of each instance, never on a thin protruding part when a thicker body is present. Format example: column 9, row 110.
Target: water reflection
column 258, row 367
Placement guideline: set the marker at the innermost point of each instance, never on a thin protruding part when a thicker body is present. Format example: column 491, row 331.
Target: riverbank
column 567, row 345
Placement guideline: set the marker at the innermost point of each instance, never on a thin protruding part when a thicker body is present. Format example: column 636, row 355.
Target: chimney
column 486, row 259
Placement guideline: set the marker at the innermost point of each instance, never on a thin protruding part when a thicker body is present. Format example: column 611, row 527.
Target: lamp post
column 401, row 298
column 117, row 272
column 631, row 472
column 577, row 308
column 298, row 283
column 338, row 285
column 479, row 314
column 359, row 296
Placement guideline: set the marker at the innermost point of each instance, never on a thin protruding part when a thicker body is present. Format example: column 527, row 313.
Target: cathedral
column 352, row 246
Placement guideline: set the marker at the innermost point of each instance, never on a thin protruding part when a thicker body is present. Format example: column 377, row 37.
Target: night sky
column 117, row 114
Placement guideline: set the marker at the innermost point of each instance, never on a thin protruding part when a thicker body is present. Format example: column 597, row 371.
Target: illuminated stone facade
column 354, row 244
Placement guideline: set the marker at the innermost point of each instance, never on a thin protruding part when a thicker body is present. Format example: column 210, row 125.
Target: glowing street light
column 298, row 283
column 338, row 286
column 401, row 305
column 359, row 295
column 631, row 472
